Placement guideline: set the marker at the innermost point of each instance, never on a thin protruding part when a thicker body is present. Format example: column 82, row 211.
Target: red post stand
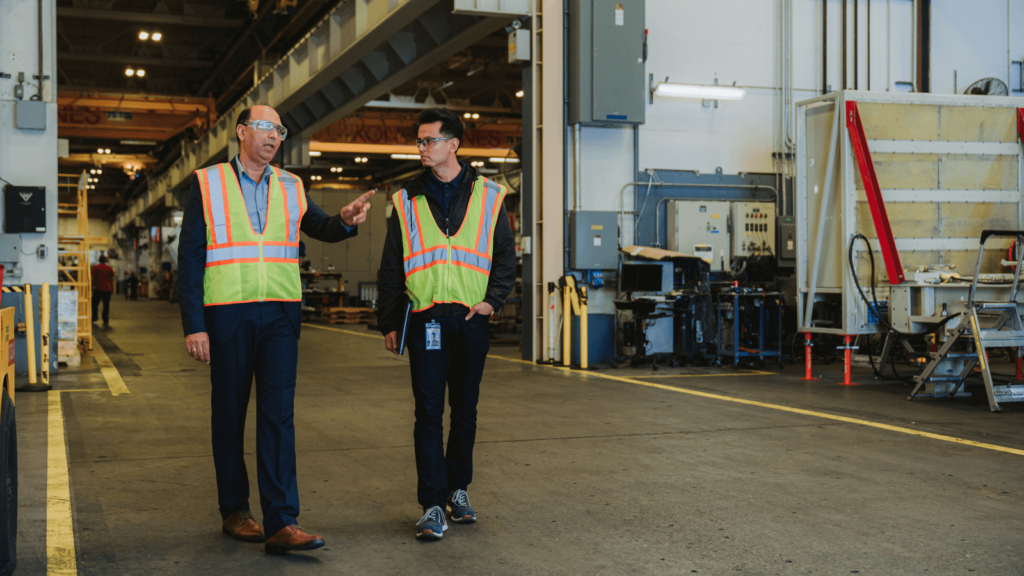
column 807, row 358
column 1020, row 372
column 847, row 362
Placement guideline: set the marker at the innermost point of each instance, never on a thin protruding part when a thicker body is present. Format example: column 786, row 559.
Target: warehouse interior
column 765, row 319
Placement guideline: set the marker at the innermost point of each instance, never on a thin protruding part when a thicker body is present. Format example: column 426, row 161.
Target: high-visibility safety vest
column 241, row 265
column 440, row 269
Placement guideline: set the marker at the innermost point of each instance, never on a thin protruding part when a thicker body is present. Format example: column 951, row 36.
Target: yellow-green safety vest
column 441, row 269
column 241, row 265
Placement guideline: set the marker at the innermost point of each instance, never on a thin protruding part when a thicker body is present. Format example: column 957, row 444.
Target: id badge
column 433, row 336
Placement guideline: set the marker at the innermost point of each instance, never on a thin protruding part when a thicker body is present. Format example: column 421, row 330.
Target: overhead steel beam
column 147, row 18
column 358, row 52
column 126, row 59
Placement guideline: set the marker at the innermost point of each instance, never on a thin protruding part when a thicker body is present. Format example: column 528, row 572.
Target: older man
column 240, row 295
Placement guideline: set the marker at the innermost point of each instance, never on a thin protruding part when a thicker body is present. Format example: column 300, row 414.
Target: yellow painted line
column 60, row 531
column 747, row 373
column 84, row 390
column 110, row 373
column 825, row 415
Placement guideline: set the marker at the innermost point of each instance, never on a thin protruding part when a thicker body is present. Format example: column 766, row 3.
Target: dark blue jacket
column 220, row 321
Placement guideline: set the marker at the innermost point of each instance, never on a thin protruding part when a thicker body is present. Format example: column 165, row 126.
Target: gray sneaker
column 432, row 525
column 462, row 512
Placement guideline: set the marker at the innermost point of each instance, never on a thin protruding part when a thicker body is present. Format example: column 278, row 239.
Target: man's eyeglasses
column 267, row 126
column 425, row 142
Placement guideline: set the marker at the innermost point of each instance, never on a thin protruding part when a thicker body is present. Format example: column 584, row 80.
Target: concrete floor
column 575, row 474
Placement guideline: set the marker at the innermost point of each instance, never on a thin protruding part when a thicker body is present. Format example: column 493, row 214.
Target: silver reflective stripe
column 426, row 258
column 415, row 243
column 472, row 259
column 293, row 205
column 491, row 192
column 232, row 253
column 217, row 207
column 291, row 252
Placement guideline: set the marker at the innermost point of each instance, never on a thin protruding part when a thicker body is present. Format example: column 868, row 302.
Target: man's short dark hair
column 451, row 124
column 103, row 259
column 244, row 116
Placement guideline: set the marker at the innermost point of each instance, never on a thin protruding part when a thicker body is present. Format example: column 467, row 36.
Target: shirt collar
column 267, row 170
column 434, row 184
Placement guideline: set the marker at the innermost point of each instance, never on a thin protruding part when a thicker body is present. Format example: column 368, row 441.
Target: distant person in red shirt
column 102, row 288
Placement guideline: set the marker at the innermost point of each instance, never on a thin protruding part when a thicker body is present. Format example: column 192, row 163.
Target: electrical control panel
column 593, row 240
column 753, row 225
column 700, row 228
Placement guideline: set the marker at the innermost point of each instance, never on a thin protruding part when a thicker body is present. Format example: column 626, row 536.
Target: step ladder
column 987, row 325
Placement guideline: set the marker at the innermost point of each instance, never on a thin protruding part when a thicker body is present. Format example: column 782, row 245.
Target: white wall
column 29, row 157
column 975, row 39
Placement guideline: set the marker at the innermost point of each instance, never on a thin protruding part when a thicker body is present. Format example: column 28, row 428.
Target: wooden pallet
column 346, row 315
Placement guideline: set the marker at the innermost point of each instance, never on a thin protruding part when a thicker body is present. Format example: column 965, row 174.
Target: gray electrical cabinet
column 593, row 240
column 700, row 228
column 607, row 86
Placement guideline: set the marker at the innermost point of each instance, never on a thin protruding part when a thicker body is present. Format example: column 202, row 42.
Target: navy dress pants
column 459, row 364
column 265, row 346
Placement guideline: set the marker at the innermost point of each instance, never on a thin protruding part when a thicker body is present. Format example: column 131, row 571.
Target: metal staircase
column 988, row 325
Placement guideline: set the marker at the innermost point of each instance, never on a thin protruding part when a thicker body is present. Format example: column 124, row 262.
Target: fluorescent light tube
column 698, row 91
column 502, row 160
column 405, row 156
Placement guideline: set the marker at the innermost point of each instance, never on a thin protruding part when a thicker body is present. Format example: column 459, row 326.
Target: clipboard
column 405, row 329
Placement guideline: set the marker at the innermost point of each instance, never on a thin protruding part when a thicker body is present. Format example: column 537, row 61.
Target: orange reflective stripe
column 204, row 188
column 227, row 204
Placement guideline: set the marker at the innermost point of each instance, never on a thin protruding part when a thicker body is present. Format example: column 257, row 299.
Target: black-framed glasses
column 267, row 126
column 428, row 141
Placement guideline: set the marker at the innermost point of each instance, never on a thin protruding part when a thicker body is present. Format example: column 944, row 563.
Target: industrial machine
column 953, row 165
column 8, row 448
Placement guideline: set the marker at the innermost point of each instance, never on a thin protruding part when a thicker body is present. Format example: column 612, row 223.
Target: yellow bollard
column 584, row 342
column 30, row 334
column 44, row 334
column 566, row 323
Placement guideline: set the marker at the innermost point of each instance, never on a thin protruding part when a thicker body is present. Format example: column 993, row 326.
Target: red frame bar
column 893, row 266
column 1020, row 124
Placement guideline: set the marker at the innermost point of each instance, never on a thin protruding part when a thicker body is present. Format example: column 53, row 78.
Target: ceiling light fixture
column 140, row 73
column 106, row 151
column 504, row 160
column 467, row 115
column 315, row 153
column 405, row 156
column 157, row 36
column 475, row 116
column 129, row 72
column 519, row 94
column 99, row 171
column 698, row 91
column 143, row 35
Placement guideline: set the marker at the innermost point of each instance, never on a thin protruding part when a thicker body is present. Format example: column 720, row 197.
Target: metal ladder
column 1006, row 331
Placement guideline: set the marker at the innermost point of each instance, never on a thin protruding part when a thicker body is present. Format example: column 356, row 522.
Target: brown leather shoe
column 291, row 538
column 240, row 525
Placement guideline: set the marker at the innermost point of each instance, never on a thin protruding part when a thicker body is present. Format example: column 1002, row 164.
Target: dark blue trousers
column 265, row 346
column 459, row 364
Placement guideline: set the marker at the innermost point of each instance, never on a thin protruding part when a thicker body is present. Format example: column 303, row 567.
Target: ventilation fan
column 988, row 87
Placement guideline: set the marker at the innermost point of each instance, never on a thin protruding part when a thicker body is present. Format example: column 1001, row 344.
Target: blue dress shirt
column 255, row 195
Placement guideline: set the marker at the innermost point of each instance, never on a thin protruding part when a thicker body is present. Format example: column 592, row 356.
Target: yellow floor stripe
column 60, row 534
column 744, row 373
column 825, row 415
column 110, row 373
